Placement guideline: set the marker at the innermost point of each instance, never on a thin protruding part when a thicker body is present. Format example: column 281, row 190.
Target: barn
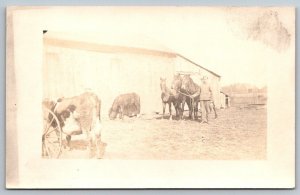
column 110, row 65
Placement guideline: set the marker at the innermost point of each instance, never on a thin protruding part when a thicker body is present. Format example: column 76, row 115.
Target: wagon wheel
column 52, row 135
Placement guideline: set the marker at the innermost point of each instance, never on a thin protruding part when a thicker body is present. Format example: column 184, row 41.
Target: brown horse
column 190, row 88
column 167, row 97
column 180, row 98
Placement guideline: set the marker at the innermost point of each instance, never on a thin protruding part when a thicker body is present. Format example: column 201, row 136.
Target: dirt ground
column 237, row 133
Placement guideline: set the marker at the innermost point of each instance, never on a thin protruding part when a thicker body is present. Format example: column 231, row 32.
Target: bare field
column 235, row 134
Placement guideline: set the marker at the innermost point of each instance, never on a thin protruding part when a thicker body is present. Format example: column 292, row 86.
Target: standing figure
column 206, row 100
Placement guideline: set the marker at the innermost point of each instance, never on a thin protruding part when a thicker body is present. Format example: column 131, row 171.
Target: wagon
column 52, row 135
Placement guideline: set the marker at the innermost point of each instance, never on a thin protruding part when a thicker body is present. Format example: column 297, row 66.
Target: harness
column 191, row 99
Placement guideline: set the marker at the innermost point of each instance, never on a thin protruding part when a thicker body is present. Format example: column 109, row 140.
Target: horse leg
column 170, row 110
column 164, row 109
column 175, row 107
column 193, row 109
column 196, row 110
column 190, row 109
column 179, row 110
column 182, row 108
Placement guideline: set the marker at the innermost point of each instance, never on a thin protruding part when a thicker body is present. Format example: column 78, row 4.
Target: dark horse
column 190, row 88
column 180, row 98
column 169, row 97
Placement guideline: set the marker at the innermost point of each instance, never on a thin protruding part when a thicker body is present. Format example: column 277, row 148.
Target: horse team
column 185, row 91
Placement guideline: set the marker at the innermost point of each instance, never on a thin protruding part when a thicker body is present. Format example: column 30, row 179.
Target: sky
column 237, row 43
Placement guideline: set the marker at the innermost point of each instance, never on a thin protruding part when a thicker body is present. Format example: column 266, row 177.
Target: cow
column 80, row 114
column 125, row 104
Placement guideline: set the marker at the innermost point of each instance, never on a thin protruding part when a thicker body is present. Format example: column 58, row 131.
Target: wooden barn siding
column 183, row 65
column 68, row 72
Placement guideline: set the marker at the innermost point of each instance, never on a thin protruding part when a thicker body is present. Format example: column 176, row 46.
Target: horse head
column 177, row 82
column 189, row 85
column 163, row 84
column 186, row 82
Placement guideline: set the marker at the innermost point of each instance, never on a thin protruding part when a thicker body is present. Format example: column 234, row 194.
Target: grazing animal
column 80, row 114
column 125, row 104
column 191, row 88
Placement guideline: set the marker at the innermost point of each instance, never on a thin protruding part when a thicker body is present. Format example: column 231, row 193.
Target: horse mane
column 177, row 82
column 193, row 87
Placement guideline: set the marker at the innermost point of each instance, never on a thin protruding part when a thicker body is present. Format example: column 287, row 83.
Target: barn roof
column 192, row 62
column 224, row 93
column 113, row 42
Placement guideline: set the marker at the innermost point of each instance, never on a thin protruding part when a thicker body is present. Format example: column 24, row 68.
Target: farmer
column 206, row 98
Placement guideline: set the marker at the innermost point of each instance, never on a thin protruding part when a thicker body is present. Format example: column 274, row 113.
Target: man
column 205, row 93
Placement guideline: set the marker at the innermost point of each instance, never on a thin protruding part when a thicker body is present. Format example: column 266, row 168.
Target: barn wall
column 69, row 72
column 182, row 65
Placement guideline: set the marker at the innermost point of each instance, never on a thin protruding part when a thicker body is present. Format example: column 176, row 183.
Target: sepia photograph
column 177, row 86
column 132, row 98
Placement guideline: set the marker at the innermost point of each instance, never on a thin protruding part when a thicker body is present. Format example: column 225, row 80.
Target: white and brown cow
column 80, row 114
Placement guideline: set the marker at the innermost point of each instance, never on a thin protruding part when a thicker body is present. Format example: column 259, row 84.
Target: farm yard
column 237, row 133
column 76, row 63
